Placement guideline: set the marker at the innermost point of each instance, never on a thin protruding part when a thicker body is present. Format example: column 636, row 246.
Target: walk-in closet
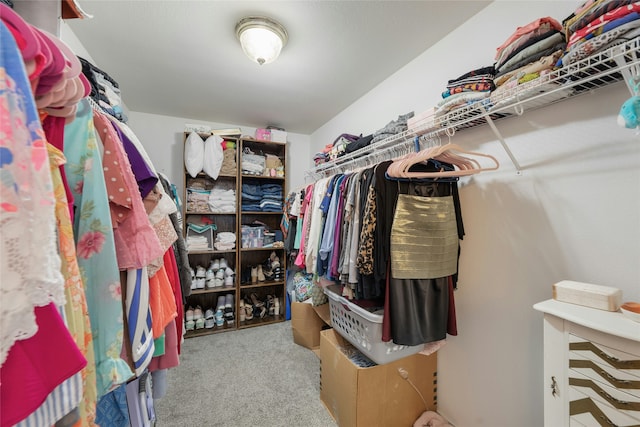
column 320, row 213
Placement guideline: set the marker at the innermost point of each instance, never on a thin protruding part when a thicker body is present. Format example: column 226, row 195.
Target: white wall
column 162, row 137
column 573, row 214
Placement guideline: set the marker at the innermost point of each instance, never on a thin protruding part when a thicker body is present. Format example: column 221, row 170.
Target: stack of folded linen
column 222, row 201
column 225, row 241
column 598, row 25
column 197, row 200
column 195, row 243
column 468, row 88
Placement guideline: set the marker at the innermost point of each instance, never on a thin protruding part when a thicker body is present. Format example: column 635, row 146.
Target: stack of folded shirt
column 271, row 197
column 324, row 155
column 468, row 88
column 225, row 241
column 598, row 25
column 222, row 201
column 392, row 128
column 529, row 53
column 528, row 44
column 252, row 164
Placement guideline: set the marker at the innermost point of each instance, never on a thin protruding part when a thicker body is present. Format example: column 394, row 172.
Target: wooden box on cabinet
column 591, row 366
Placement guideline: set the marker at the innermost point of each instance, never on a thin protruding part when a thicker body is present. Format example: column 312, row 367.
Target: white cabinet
column 591, row 367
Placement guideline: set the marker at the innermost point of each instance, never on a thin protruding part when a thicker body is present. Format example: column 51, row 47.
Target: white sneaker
column 228, row 272
column 223, row 264
column 201, row 272
column 219, row 280
column 215, row 265
column 210, row 274
column 228, row 281
column 200, row 283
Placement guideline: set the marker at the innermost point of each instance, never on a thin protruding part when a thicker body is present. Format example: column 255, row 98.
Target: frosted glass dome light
column 261, row 38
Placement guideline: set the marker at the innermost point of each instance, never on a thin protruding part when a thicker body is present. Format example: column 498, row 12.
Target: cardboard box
column 377, row 396
column 278, row 135
column 306, row 323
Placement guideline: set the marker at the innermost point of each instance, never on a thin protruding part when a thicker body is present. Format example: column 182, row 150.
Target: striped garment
column 139, row 318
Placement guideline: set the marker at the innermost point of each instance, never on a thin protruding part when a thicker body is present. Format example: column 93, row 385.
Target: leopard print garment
column 365, row 246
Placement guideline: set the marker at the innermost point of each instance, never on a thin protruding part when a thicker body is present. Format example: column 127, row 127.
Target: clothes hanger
column 451, row 150
column 448, row 153
column 395, row 172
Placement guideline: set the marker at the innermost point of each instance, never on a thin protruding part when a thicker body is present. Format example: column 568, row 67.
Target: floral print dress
column 95, row 248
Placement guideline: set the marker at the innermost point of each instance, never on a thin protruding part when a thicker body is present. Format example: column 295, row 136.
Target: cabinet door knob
column 554, row 387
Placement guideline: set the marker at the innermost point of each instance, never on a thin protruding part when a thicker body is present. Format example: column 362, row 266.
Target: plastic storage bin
column 252, row 236
column 364, row 330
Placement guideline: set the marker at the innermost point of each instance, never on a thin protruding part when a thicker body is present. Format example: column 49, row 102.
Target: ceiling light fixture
column 261, row 38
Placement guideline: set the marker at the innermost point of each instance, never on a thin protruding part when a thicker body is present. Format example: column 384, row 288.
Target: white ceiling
column 181, row 58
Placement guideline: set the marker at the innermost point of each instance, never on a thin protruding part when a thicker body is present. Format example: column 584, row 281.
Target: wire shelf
column 615, row 64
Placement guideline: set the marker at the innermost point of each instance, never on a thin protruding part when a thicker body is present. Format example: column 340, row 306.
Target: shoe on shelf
column 200, row 323
column 188, row 315
column 261, row 277
column 200, row 272
column 190, row 325
column 215, row 264
column 258, row 306
column 267, row 272
column 242, row 314
column 277, row 274
column 275, row 261
column 248, row 315
column 222, row 264
column 209, row 274
column 229, row 272
column 254, row 275
column 219, row 278
column 220, row 317
column 197, row 313
column 209, row 314
column 221, row 303
column 200, row 283
column 245, row 276
column 193, row 279
column 209, row 319
column 270, row 305
column 229, row 282
column 228, row 305
column 276, row 309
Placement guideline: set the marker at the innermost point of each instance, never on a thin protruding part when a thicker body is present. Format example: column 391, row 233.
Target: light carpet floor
column 250, row 377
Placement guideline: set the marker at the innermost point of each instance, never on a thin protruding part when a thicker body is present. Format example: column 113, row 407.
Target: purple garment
column 337, row 237
column 145, row 177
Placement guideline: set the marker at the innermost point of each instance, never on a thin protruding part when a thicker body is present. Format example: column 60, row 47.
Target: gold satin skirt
column 424, row 238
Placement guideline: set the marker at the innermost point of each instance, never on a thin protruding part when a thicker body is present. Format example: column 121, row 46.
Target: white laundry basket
column 364, row 330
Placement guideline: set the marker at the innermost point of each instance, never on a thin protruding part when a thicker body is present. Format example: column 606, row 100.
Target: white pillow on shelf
column 213, row 156
column 194, row 154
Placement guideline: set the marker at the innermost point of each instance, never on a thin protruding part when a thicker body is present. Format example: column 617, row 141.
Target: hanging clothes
column 96, row 249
